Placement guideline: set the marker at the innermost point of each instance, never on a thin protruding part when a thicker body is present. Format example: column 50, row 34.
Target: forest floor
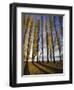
column 33, row 68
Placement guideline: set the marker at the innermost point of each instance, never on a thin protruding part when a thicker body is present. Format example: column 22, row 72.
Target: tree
column 35, row 43
column 30, row 39
column 56, row 24
column 26, row 24
column 47, row 38
column 51, row 30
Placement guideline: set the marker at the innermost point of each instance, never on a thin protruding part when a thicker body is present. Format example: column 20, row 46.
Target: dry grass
column 44, row 68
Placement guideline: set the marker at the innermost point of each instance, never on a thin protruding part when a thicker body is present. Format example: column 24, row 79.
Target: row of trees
column 43, row 38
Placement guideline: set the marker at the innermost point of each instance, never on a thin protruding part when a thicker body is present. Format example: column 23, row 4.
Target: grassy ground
column 33, row 68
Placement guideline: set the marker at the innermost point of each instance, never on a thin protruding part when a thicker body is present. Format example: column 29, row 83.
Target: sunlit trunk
column 26, row 36
column 35, row 41
column 51, row 32
column 29, row 57
column 47, row 36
